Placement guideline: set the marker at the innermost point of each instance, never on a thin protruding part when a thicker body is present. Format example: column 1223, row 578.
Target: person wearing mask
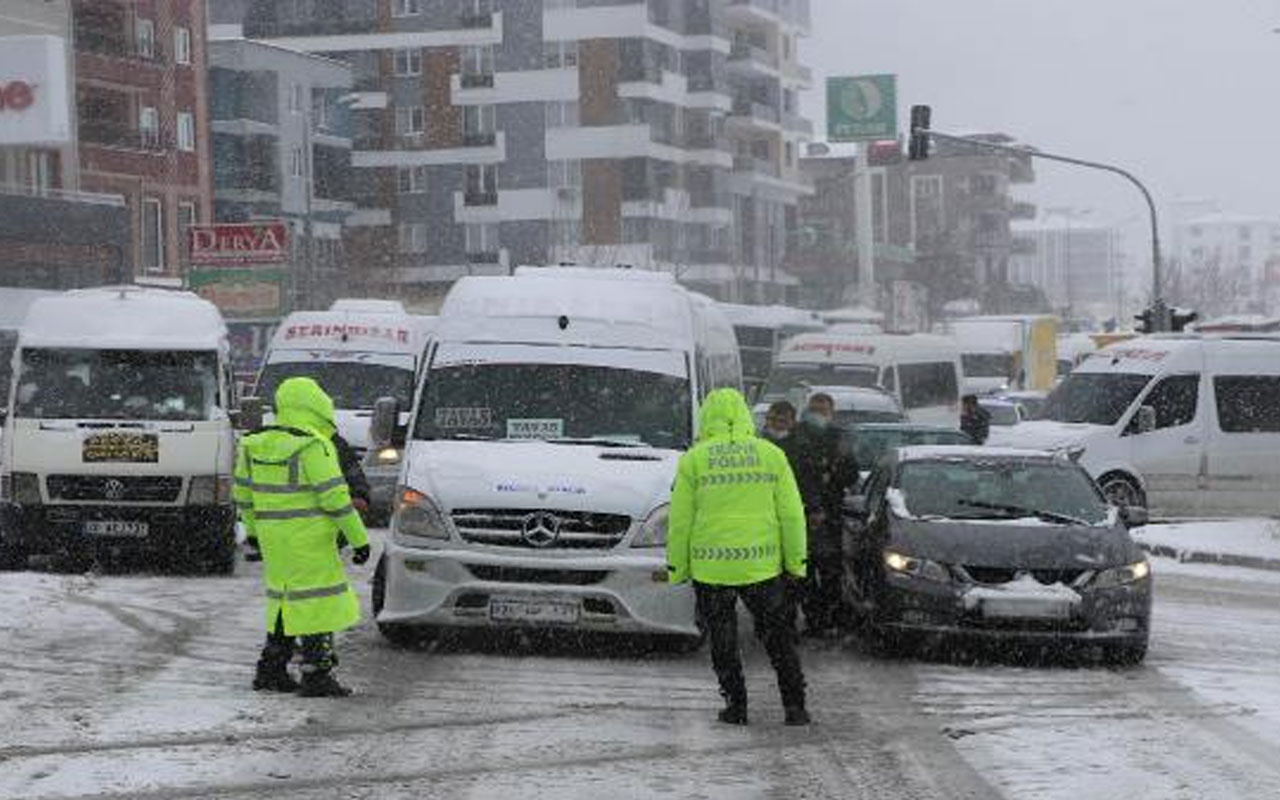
column 825, row 469
column 779, row 421
column 974, row 419
column 736, row 527
column 294, row 502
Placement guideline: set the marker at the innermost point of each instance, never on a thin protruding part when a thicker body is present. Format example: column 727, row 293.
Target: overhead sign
column 242, row 293
column 862, row 108
column 239, row 243
column 35, row 105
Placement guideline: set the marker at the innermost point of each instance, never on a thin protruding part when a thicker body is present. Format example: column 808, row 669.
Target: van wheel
column 1122, row 490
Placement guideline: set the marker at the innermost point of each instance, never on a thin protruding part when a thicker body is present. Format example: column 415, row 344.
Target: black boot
column 796, row 715
column 321, row 683
column 734, row 713
column 273, row 678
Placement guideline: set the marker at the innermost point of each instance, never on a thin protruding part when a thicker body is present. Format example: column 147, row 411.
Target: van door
column 1243, row 456
column 1170, row 457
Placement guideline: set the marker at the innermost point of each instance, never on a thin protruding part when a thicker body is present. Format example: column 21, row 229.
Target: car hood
column 1044, row 435
column 536, row 474
column 1023, row 544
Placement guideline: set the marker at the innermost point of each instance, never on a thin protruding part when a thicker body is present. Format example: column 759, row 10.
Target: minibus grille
column 115, row 488
column 541, row 529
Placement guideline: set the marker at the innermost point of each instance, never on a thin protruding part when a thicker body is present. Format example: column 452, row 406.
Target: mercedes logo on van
column 540, row 529
column 113, row 489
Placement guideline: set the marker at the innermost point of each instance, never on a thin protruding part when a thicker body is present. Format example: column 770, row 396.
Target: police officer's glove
column 342, row 541
column 252, row 552
column 360, row 554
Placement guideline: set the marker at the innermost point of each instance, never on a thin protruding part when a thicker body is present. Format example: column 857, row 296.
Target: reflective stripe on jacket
column 293, row 498
column 736, row 515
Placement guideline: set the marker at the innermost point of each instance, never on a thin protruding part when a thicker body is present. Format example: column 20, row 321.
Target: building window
column 411, row 180
column 295, row 98
column 320, row 110
column 482, row 242
column 186, row 131
column 410, row 120
column 791, row 154
column 149, row 126
column 146, row 38
column 562, row 114
column 413, row 237
column 181, row 45
column 297, row 164
column 481, row 185
column 564, row 174
column 408, row 62
column 152, row 235
column 478, row 126
column 477, row 66
column 405, row 8
column 560, row 55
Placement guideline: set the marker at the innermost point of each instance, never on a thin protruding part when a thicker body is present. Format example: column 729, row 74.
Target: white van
column 921, row 370
column 1188, row 424
column 760, row 331
column 119, row 435
column 538, row 470
column 358, row 351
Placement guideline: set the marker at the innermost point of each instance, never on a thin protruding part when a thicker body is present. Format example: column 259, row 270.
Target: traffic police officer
column 295, row 501
column 736, row 525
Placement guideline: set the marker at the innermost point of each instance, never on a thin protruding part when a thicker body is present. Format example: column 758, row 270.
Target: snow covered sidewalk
column 1253, row 543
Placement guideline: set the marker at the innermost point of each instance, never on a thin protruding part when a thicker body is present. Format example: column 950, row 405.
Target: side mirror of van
column 251, row 413
column 1146, row 419
column 382, row 428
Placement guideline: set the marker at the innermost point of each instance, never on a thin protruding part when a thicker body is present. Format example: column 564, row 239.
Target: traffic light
column 1146, row 321
column 918, row 144
column 1180, row 318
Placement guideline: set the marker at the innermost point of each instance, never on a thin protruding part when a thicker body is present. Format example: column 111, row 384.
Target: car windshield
column 117, row 384
column 987, row 365
column 788, row 378
column 1001, row 414
column 351, row 384
column 1096, row 398
column 1001, row 488
column 870, row 445
column 555, row 401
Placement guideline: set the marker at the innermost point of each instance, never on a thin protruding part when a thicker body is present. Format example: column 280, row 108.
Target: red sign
column 239, row 243
column 16, row 96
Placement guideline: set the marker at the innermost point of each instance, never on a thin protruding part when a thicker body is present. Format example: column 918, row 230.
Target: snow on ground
column 1256, row 538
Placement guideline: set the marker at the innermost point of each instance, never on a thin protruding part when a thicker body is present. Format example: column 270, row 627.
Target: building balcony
column 472, row 21
column 115, row 135
column 474, row 199
column 744, row 56
column 485, row 257
column 756, row 114
column 476, row 80
column 1022, row 210
column 758, row 12
column 759, row 166
column 479, row 139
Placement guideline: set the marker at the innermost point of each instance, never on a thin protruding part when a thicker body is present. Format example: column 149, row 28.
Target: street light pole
column 1159, row 308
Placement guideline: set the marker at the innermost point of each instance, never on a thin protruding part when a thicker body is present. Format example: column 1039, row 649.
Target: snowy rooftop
column 125, row 317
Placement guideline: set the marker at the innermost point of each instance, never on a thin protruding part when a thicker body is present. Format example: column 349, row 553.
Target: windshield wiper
column 1047, row 516
column 465, row 437
column 602, row 441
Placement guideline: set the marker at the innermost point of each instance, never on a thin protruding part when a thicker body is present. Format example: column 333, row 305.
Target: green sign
column 242, row 293
column 862, row 108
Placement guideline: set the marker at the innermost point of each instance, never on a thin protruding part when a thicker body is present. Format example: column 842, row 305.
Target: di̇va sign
column 35, row 105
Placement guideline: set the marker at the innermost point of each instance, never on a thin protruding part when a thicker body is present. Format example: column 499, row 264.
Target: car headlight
column 916, row 567
column 208, row 490
column 22, row 488
column 417, row 518
column 384, row 457
column 1122, row 576
column 653, row 533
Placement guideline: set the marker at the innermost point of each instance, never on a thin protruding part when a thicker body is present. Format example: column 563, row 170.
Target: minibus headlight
column 417, row 519
column 384, row 457
column 653, row 533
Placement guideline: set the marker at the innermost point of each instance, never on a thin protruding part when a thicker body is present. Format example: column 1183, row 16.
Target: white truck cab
column 1188, row 424
column 119, row 433
column 539, row 463
column 359, row 351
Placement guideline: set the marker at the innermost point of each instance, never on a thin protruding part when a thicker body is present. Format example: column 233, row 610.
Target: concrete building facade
column 1079, row 266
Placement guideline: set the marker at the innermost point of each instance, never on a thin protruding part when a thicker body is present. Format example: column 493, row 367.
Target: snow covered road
column 137, row 687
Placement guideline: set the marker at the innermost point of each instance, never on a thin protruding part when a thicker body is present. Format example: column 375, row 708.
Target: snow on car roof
column 125, row 318
column 968, row 452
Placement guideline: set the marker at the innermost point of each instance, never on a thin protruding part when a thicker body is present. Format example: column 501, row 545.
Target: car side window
column 888, row 379
column 1174, row 399
column 877, row 485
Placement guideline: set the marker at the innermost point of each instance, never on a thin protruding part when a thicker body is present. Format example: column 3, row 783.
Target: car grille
column 997, row 575
column 115, row 488
column 506, row 526
column 564, row 577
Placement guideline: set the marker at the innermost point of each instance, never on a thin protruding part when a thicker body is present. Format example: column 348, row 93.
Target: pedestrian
column 294, row 501
column 974, row 419
column 825, row 468
column 736, row 529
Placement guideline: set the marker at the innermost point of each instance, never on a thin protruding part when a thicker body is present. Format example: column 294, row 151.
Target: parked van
column 921, row 370
column 1007, row 352
column 1187, row 424
column 760, row 331
column 119, row 435
column 537, row 474
column 358, row 351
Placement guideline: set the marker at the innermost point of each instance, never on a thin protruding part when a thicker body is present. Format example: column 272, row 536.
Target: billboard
column 238, row 243
column 242, row 293
column 862, row 108
column 35, row 104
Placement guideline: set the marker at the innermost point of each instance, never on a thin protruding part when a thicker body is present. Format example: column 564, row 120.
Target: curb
column 1222, row 559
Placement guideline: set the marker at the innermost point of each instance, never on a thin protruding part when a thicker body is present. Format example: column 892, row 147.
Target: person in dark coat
column 974, row 419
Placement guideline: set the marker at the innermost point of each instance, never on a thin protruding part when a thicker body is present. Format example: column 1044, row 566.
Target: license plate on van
column 533, row 611
column 111, row 527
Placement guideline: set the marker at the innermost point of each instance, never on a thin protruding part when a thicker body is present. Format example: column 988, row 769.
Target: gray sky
column 1162, row 87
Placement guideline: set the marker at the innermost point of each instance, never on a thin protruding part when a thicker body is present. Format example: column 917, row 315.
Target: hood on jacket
column 301, row 403
column 724, row 415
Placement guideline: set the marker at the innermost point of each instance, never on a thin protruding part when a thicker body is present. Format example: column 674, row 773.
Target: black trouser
column 768, row 603
column 317, row 650
column 820, row 596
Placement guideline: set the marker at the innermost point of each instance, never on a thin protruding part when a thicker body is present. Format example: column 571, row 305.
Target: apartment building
column 490, row 133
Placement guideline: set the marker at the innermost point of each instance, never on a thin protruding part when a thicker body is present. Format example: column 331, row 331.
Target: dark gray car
column 997, row 545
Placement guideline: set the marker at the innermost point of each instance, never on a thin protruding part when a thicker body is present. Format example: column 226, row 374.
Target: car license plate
column 111, row 527
column 537, row 612
column 1025, row 608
